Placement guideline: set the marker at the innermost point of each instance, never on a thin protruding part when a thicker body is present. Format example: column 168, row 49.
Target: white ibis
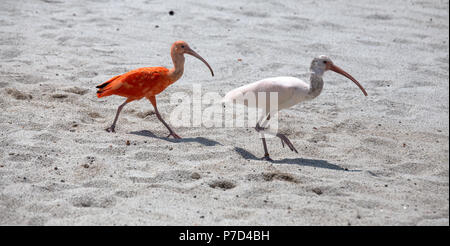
column 291, row 91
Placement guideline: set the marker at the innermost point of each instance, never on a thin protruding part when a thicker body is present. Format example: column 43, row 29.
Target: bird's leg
column 172, row 133
column 113, row 126
column 258, row 128
column 282, row 137
column 285, row 140
column 266, row 153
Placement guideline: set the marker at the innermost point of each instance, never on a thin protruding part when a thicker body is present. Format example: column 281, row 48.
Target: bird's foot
column 285, row 140
column 266, row 158
column 111, row 129
column 174, row 135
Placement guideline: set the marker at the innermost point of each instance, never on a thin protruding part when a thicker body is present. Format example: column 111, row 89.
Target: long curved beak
column 340, row 71
column 193, row 53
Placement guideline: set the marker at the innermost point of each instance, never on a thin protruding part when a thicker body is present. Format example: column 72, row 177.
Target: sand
column 376, row 160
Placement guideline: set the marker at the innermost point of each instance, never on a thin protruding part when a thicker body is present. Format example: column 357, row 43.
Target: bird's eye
column 324, row 62
column 182, row 46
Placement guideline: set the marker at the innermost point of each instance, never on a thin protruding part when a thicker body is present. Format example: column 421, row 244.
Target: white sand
column 376, row 160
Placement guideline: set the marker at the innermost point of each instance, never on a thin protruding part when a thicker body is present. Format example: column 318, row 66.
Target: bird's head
column 323, row 63
column 181, row 48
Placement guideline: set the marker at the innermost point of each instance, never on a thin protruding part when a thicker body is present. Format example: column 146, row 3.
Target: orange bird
column 148, row 82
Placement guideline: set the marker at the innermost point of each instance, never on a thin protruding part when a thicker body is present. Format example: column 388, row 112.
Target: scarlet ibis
column 148, row 82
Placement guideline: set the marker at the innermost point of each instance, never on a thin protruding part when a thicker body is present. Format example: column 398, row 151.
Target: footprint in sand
column 91, row 200
column 126, row 193
column 273, row 176
column 77, row 90
column 179, row 176
column 18, row 94
column 222, row 184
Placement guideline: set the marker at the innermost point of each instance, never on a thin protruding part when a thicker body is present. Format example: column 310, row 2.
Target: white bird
column 291, row 91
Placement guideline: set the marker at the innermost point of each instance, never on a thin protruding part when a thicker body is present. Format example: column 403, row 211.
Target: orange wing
column 137, row 83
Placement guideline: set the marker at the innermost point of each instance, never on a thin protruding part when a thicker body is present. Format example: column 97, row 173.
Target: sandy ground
column 376, row 160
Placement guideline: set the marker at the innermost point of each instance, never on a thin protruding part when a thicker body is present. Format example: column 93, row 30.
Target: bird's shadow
column 297, row 161
column 201, row 140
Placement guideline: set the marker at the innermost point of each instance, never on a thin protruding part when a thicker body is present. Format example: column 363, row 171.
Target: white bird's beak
column 337, row 69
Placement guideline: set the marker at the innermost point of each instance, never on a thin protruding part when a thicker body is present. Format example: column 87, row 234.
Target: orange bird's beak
column 193, row 53
column 339, row 70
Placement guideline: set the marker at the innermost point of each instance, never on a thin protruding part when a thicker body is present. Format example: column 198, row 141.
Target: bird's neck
column 316, row 85
column 178, row 67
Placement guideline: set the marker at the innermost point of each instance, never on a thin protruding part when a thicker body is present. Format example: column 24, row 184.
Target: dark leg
column 266, row 153
column 285, row 140
column 172, row 133
column 113, row 126
column 282, row 137
column 263, row 139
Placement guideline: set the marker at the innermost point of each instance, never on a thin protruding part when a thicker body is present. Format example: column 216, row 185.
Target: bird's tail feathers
column 103, row 88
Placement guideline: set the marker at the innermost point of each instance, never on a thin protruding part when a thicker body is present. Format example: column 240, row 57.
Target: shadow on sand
column 297, row 161
column 201, row 140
